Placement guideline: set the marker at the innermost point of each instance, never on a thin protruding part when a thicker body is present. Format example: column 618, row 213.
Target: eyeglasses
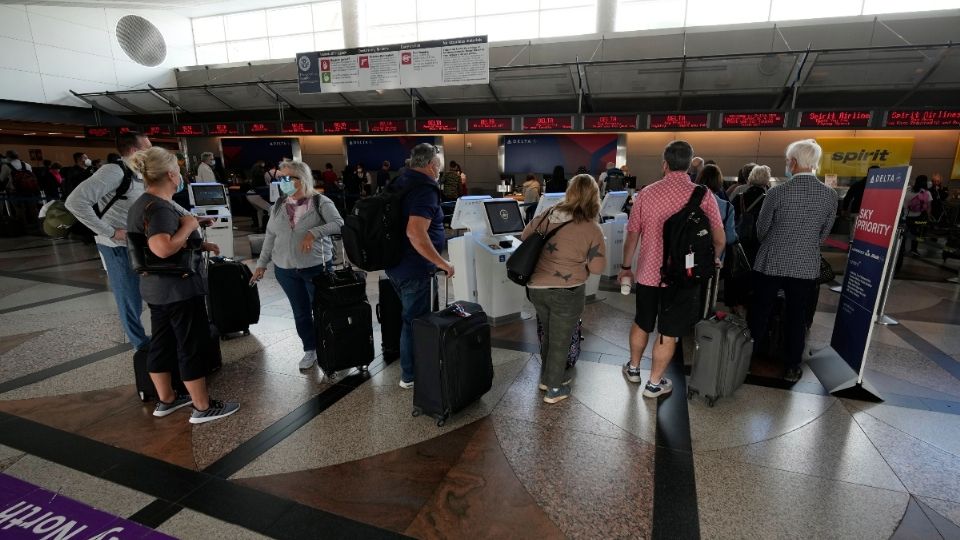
column 288, row 177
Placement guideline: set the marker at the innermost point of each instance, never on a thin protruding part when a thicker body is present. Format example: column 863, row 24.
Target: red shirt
column 651, row 209
column 329, row 180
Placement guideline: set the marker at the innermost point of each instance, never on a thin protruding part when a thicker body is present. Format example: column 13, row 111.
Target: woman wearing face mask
column 205, row 169
column 917, row 206
column 178, row 312
column 298, row 242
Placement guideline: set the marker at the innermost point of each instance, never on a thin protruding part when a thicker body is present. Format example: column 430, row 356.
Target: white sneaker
column 309, row 359
column 406, row 385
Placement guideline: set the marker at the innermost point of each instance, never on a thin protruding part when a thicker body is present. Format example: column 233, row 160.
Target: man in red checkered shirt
column 670, row 310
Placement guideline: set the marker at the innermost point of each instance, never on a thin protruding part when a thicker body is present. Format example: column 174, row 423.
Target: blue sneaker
column 633, row 374
column 656, row 390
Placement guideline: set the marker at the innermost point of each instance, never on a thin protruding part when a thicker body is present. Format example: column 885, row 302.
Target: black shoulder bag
column 523, row 261
column 183, row 263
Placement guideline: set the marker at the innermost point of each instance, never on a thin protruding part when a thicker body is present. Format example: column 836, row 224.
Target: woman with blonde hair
column 557, row 286
column 178, row 310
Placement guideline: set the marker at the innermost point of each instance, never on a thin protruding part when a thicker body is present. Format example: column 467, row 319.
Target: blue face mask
column 288, row 187
column 787, row 173
column 181, row 185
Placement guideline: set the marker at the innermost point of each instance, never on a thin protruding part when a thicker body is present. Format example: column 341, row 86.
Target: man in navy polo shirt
column 424, row 242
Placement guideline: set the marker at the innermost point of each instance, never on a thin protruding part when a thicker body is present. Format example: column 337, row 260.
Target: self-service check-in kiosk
column 210, row 200
column 548, row 201
column 467, row 214
column 614, row 224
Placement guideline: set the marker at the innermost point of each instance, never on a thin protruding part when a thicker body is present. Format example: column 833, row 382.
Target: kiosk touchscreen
column 548, row 201
column 503, row 217
column 210, row 200
column 613, row 221
column 467, row 214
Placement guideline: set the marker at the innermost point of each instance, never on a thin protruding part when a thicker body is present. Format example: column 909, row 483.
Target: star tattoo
column 562, row 276
column 551, row 247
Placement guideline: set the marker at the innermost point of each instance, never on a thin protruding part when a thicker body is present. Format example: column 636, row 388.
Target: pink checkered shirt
column 651, row 208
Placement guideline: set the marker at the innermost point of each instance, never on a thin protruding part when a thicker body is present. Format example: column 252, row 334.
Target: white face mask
column 87, row 162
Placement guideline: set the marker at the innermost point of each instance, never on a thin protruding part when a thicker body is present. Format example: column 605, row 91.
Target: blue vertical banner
column 868, row 264
column 308, row 73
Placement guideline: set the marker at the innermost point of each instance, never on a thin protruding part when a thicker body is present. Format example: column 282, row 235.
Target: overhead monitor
column 468, row 213
column 548, row 201
column 207, row 194
column 613, row 202
column 503, row 216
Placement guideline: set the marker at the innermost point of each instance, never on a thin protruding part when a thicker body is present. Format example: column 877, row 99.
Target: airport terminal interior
column 863, row 444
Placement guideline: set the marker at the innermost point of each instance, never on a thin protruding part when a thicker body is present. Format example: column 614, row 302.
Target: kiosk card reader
column 613, row 221
column 210, row 200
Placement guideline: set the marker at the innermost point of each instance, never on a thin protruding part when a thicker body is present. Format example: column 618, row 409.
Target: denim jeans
column 126, row 291
column 297, row 284
column 415, row 301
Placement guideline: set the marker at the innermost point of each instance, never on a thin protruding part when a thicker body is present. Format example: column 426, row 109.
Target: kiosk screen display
column 504, row 217
column 208, row 195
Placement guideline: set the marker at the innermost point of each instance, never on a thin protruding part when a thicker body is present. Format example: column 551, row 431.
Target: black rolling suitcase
column 453, row 365
column 343, row 321
column 389, row 314
column 234, row 303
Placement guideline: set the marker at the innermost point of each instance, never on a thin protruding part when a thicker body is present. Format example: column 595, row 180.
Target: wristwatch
column 622, row 267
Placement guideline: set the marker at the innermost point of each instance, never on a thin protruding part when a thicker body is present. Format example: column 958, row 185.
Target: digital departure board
column 386, row 126
column 613, row 122
column 547, row 123
column 157, row 130
column 341, row 127
column 261, row 128
column 188, row 130
column 437, row 125
column 678, row 121
column 923, row 119
column 753, row 120
column 298, row 128
column 835, row 119
column 503, row 123
column 97, row 132
column 122, row 130
column 229, row 128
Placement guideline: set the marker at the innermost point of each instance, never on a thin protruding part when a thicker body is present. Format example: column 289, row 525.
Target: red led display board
column 298, row 128
column 229, row 128
column 97, row 132
column 753, row 120
column 547, row 123
column 188, row 130
column 386, row 126
column 437, row 125
column 341, row 127
column 923, row 119
column 835, row 119
column 261, row 128
column 678, row 121
column 124, row 129
column 614, row 122
column 160, row 130
column 503, row 123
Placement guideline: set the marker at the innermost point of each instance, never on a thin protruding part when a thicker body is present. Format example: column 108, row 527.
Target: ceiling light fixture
column 54, row 133
column 29, row 133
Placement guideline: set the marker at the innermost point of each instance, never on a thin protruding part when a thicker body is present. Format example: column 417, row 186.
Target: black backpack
column 373, row 232
column 120, row 193
column 616, row 181
column 687, row 234
column 747, row 226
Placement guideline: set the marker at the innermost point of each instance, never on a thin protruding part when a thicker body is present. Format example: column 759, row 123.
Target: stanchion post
column 883, row 318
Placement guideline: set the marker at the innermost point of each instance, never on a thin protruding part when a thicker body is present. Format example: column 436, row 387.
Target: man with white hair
column 205, row 169
column 795, row 219
column 696, row 165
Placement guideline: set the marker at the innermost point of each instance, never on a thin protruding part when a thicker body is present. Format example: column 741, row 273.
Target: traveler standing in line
column 256, row 173
column 940, row 195
column 796, row 218
column 451, row 183
column 87, row 203
column 557, row 286
column 743, row 184
column 558, row 181
column 178, row 309
column 383, row 176
column 205, row 169
column 613, row 180
column 671, row 310
column 531, row 195
column 298, row 242
column 711, row 177
column 74, row 175
column 423, row 243
column 696, row 165
column 747, row 206
column 916, row 207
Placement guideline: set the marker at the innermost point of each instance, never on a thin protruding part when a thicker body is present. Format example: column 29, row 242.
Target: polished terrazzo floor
column 311, row 458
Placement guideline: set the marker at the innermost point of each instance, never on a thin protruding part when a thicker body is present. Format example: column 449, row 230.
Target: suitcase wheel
column 416, row 413
column 711, row 401
column 441, row 422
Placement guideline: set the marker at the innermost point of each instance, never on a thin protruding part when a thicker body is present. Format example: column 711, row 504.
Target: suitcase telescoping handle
column 434, row 295
column 334, row 239
column 713, row 288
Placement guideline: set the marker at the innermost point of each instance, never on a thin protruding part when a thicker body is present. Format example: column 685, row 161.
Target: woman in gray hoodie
column 298, row 242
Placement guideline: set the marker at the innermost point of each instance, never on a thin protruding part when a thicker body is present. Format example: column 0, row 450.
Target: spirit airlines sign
column 852, row 156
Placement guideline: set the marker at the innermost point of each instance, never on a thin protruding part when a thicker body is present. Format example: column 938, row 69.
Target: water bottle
column 626, row 282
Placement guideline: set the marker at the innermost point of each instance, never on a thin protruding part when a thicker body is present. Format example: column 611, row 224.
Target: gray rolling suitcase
column 723, row 352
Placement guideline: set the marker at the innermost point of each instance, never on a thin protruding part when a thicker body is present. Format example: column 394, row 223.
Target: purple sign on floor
column 27, row 511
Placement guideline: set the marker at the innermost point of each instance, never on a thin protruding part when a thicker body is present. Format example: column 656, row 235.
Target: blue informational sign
column 371, row 152
column 868, row 263
column 308, row 73
column 541, row 153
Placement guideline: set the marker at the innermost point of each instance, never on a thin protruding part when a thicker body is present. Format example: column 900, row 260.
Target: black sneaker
column 632, row 374
column 656, row 390
column 163, row 409
column 216, row 410
column 793, row 374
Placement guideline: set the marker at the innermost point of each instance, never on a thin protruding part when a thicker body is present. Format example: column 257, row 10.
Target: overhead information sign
column 447, row 62
column 678, row 121
column 261, row 128
column 97, row 132
column 341, row 127
column 228, row 128
column 613, row 122
column 923, row 119
column 437, row 125
column 189, row 130
column 835, row 119
column 504, row 123
column 298, row 128
column 547, row 123
column 753, row 120
column 156, row 130
column 387, row 126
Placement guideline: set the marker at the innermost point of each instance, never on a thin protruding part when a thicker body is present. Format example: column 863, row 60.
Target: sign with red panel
column 502, row 123
column 157, row 130
column 547, row 123
column 261, row 128
column 98, row 132
column 923, row 119
column 189, row 130
column 611, row 122
column 386, row 126
column 671, row 121
column 437, row 125
column 122, row 130
column 835, row 119
column 298, row 128
column 341, row 127
column 229, row 128
column 753, row 120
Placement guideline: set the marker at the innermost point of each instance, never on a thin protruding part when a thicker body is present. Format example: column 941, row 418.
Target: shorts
column 671, row 310
column 181, row 339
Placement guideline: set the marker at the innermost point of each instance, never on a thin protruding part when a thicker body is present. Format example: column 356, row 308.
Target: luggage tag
column 689, row 264
column 458, row 310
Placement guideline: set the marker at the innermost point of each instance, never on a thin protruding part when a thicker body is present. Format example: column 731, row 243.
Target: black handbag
column 523, row 261
column 826, row 272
